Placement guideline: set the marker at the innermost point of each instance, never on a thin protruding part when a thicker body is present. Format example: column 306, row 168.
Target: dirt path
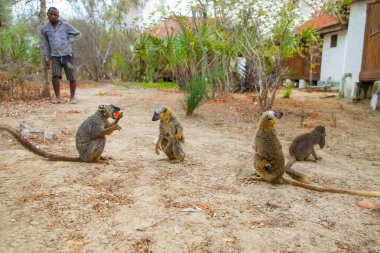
column 140, row 202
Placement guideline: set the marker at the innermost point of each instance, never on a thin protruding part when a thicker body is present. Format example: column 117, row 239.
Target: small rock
column 48, row 134
column 15, row 244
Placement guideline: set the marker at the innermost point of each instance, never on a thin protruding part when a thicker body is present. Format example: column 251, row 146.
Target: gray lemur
column 90, row 138
column 302, row 147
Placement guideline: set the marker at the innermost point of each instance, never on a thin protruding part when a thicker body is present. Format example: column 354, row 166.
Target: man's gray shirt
column 57, row 42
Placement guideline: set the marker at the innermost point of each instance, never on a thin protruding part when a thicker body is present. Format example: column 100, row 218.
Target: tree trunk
column 45, row 87
column 311, row 68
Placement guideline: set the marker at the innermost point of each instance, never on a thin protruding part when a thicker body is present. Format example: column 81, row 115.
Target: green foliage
column 120, row 63
column 149, row 55
column 5, row 14
column 196, row 92
column 310, row 48
column 340, row 9
column 206, row 51
column 19, row 45
column 19, row 50
column 309, row 34
column 287, row 91
column 309, row 43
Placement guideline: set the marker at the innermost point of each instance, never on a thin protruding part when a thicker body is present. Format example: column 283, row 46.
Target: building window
column 334, row 40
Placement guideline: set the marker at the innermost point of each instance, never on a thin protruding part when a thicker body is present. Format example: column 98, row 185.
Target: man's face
column 53, row 17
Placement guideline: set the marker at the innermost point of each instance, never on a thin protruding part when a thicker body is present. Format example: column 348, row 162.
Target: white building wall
column 355, row 42
column 332, row 65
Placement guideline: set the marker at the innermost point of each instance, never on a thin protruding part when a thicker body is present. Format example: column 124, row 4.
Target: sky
column 179, row 6
column 19, row 9
column 144, row 15
column 63, row 6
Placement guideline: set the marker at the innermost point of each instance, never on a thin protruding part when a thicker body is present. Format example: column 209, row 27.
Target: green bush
column 288, row 91
column 196, row 92
column 19, row 45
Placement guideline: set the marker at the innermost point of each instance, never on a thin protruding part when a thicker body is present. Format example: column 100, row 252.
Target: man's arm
column 74, row 34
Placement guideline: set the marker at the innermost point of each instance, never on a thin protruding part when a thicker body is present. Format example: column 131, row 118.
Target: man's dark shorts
column 66, row 62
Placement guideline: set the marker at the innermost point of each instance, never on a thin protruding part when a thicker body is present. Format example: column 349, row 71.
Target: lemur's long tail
column 24, row 142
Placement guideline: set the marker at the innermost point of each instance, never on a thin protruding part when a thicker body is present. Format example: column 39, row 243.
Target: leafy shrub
column 288, row 91
column 20, row 46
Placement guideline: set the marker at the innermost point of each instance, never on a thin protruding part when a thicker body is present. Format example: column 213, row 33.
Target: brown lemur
column 269, row 159
column 90, row 138
column 170, row 135
column 302, row 147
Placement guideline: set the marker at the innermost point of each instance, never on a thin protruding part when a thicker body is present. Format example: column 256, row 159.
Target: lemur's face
column 269, row 118
column 320, row 129
column 108, row 111
column 159, row 113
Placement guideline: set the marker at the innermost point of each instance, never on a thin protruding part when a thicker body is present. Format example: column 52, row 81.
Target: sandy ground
column 140, row 202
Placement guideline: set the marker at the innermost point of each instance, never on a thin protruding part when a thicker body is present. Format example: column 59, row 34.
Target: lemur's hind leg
column 178, row 154
column 259, row 164
column 91, row 151
column 168, row 150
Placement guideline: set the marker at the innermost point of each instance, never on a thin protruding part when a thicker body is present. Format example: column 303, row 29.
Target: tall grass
column 196, row 92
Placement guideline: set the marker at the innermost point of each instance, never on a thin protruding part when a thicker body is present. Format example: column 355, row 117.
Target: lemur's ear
column 278, row 115
column 102, row 109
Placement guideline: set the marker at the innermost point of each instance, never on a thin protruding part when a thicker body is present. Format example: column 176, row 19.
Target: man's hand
column 47, row 64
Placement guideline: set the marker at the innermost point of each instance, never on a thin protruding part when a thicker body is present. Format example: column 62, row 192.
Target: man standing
column 58, row 36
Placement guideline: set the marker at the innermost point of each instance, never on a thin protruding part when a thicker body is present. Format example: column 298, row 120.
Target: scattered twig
column 145, row 228
column 156, row 223
column 194, row 247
